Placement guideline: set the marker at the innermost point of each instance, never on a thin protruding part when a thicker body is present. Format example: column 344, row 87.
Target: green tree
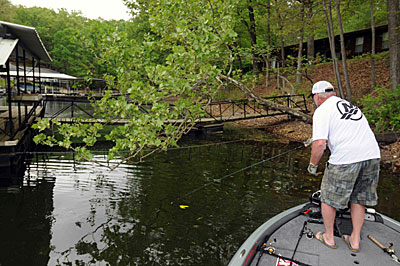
column 69, row 53
column 6, row 10
column 356, row 14
column 180, row 61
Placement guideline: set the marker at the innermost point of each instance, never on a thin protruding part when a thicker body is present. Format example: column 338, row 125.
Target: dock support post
column 40, row 81
column 33, row 74
column 10, row 121
column 25, row 83
column 18, row 84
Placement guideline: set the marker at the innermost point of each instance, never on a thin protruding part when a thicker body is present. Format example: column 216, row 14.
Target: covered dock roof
column 28, row 37
column 45, row 73
column 6, row 48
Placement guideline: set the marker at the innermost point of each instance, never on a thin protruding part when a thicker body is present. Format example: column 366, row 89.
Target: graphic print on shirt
column 348, row 111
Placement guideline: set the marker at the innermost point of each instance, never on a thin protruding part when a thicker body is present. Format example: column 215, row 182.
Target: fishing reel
column 269, row 248
column 309, row 234
column 307, row 231
column 315, row 197
column 389, row 248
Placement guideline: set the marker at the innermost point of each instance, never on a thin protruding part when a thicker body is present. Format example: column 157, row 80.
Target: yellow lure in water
column 183, row 206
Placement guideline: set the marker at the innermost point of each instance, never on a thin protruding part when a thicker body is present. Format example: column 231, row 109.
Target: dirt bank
column 292, row 130
column 360, row 77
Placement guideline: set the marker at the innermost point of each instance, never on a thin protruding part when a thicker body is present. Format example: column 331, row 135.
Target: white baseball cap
column 320, row 87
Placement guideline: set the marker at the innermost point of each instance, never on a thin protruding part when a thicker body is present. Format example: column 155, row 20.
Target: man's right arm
column 317, row 150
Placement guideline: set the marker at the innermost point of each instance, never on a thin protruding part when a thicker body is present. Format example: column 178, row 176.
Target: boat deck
column 312, row 252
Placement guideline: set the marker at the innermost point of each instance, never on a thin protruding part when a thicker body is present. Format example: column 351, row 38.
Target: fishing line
column 102, row 152
column 219, row 180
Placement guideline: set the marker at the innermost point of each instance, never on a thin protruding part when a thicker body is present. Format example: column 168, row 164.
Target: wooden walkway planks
column 4, row 119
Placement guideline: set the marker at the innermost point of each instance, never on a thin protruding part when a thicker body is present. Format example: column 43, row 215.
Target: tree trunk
column 267, row 74
column 310, row 36
column 373, row 73
column 238, row 58
column 299, row 58
column 283, row 60
column 310, row 48
column 280, row 23
column 268, row 22
column 267, row 63
column 394, row 42
column 253, row 37
column 300, row 52
column 278, row 82
column 343, row 51
column 271, row 105
column 331, row 35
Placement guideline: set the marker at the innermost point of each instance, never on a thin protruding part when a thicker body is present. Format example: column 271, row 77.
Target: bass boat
column 288, row 239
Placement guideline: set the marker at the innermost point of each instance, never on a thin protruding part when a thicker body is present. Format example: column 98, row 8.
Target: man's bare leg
column 357, row 218
column 328, row 214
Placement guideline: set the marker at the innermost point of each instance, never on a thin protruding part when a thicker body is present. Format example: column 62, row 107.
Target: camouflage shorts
column 355, row 182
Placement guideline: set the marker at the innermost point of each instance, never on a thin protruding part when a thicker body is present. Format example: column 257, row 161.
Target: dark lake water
column 70, row 213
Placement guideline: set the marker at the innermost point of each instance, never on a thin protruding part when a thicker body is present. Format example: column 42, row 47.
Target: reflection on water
column 67, row 109
column 82, row 213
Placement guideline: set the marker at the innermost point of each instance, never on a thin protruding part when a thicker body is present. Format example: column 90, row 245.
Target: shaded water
column 80, row 213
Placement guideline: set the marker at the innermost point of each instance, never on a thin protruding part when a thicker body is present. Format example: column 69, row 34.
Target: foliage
column 69, row 37
column 383, row 111
column 48, row 22
column 67, row 47
column 5, row 10
column 168, row 58
column 356, row 14
column 170, row 75
column 285, row 23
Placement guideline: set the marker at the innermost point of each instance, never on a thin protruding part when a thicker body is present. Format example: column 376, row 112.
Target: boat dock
column 26, row 78
column 217, row 112
column 23, row 110
column 16, row 134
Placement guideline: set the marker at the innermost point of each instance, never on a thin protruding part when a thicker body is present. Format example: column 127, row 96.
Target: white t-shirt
column 350, row 139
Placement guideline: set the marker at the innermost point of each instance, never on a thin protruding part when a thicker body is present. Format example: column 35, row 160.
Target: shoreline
column 298, row 131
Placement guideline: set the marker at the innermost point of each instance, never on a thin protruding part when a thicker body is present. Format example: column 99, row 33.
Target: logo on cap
column 348, row 111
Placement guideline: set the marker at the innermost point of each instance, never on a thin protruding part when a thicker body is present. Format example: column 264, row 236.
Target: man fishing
column 352, row 171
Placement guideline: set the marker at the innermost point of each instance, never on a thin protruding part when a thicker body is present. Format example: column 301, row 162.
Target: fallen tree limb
column 271, row 105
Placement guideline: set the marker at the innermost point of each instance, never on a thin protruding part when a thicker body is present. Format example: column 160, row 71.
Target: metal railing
column 219, row 111
column 242, row 109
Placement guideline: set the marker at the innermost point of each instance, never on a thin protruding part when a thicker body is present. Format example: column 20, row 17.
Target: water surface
column 82, row 214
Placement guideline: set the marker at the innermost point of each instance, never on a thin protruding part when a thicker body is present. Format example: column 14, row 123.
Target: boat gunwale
column 262, row 234
column 264, row 231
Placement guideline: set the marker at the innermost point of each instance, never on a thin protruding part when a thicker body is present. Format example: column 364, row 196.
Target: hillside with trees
column 197, row 49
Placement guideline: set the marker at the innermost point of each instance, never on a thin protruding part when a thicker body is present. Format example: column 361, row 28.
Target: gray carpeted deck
column 312, row 252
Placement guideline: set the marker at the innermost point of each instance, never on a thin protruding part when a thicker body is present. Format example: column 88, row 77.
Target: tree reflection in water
column 143, row 224
column 25, row 217
column 131, row 216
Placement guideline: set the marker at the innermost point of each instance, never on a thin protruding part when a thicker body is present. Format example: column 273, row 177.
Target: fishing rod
column 298, row 241
column 216, row 181
column 387, row 249
column 271, row 252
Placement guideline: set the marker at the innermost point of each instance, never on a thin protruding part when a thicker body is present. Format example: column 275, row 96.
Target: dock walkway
column 216, row 112
column 17, row 118
column 16, row 112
